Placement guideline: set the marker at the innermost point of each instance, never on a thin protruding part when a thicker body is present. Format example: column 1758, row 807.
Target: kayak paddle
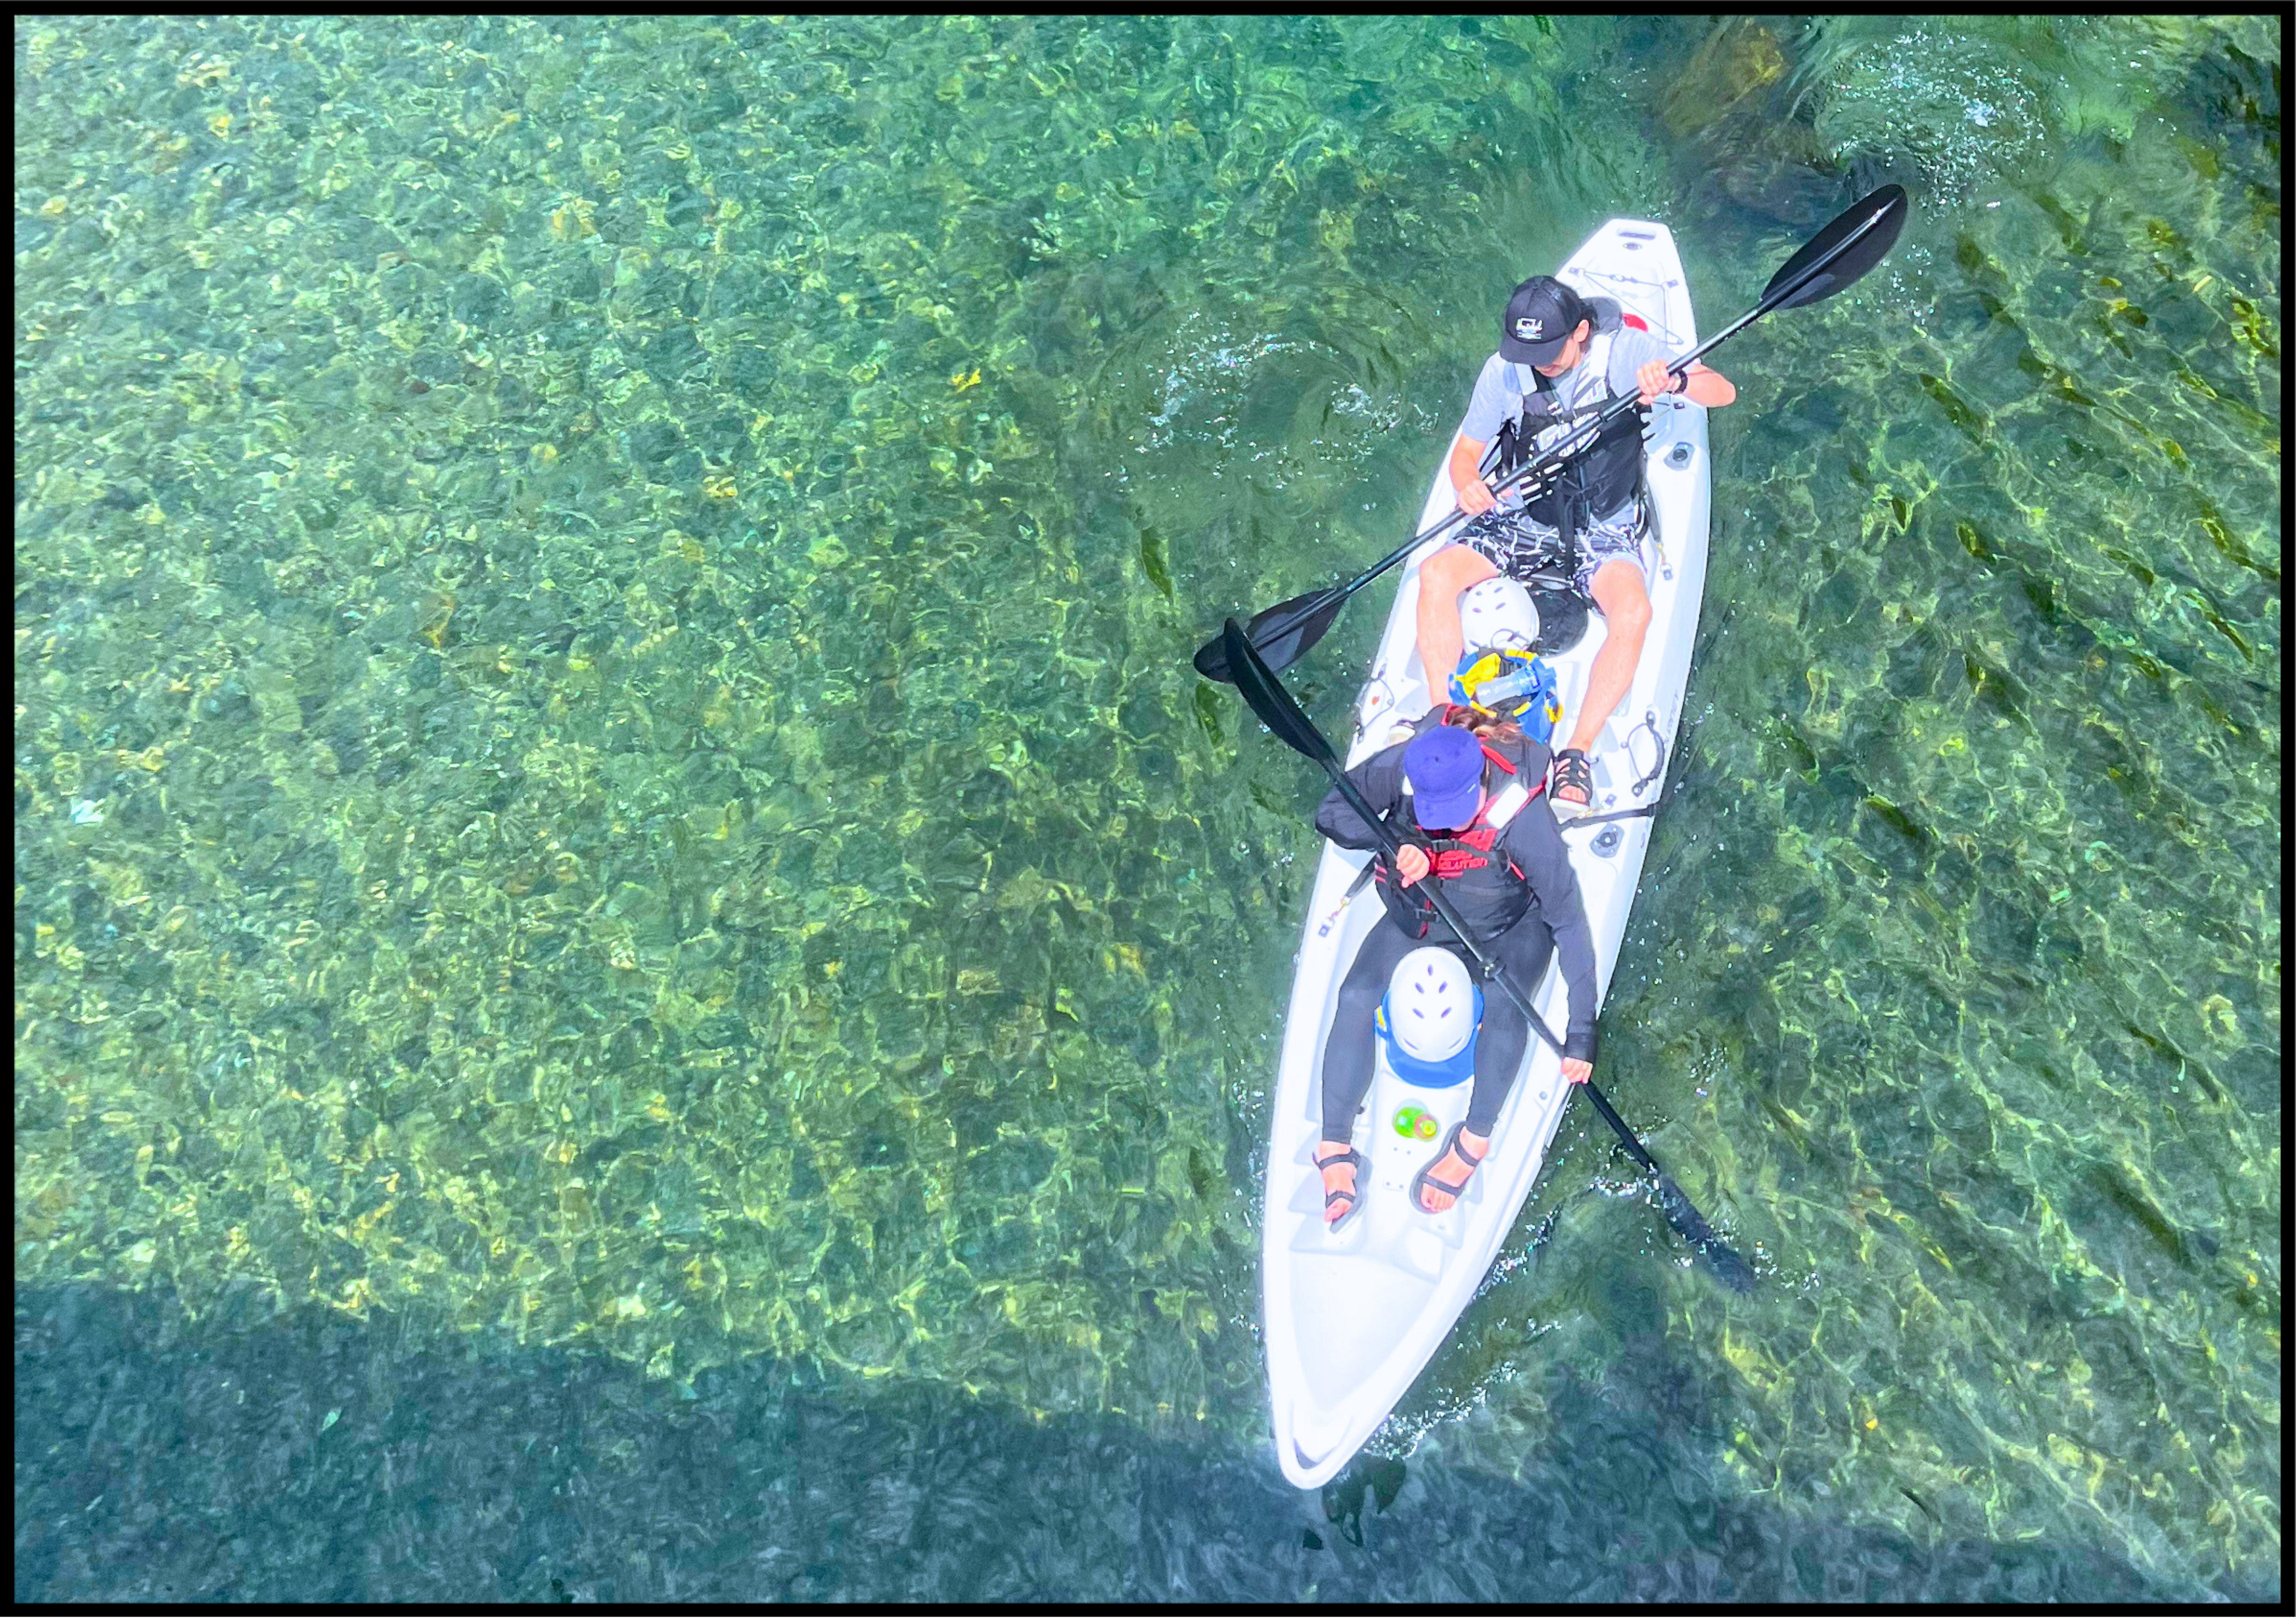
column 1852, row 244
column 1274, row 706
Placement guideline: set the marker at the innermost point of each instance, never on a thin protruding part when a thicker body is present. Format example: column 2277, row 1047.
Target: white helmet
column 1497, row 614
column 1431, row 1007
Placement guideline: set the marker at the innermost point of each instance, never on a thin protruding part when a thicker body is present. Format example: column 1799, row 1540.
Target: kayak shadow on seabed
column 318, row 1460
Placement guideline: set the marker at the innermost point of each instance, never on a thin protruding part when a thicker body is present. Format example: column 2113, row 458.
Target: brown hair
column 1487, row 725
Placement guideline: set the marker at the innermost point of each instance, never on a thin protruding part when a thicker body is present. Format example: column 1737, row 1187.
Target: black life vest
column 1479, row 879
column 1600, row 481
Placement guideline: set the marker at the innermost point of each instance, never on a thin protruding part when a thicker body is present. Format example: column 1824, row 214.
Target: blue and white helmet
column 1428, row 1020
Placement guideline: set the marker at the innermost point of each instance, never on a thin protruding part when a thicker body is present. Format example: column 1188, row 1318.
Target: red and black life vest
column 1479, row 879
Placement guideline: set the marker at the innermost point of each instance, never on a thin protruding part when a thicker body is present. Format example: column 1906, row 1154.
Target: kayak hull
column 1353, row 1317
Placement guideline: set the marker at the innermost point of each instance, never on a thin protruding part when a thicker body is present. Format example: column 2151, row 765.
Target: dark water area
column 617, row 849
column 359, row 1468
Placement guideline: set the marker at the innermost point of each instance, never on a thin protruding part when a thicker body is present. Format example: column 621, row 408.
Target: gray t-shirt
column 1501, row 385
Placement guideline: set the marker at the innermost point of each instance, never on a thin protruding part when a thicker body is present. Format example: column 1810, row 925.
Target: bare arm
column 1467, row 478
column 1709, row 388
column 1706, row 387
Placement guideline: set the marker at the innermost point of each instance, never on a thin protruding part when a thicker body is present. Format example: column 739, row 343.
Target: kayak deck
column 1353, row 1317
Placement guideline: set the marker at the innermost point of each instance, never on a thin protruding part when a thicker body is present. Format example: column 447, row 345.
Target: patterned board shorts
column 1516, row 545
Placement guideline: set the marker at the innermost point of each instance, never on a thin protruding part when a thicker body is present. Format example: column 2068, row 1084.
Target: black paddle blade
column 1281, row 634
column 1729, row 1267
column 1881, row 215
column 1269, row 701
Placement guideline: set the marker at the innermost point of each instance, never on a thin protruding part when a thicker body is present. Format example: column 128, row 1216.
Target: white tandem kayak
column 1352, row 1317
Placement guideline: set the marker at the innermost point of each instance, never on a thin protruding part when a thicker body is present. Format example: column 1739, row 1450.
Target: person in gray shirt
column 1560, row 352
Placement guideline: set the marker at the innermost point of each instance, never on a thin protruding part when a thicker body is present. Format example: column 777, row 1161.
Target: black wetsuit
column 1521, row 901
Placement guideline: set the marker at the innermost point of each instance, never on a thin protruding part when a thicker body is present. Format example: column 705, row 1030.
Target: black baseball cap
column 1539, row 321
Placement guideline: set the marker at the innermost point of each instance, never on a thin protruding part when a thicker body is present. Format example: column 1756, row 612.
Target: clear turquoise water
column 607, row 781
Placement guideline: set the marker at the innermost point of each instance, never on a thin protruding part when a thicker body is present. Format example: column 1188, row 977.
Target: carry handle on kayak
column 1274, row 706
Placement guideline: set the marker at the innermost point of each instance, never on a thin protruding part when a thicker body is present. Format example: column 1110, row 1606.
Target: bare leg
column 1441, row 579
column 1619, row 594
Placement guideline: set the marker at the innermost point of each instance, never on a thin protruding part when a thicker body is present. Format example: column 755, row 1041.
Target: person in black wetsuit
column 1463, row 793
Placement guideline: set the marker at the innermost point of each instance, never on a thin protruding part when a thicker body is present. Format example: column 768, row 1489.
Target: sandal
column 1354, row 1198
column 1572, row 772
column 1426, row 1176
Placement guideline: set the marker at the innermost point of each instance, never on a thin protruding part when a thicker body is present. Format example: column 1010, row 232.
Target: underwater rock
column 1738, row 56
column 1789, row 190
column 1740, row 131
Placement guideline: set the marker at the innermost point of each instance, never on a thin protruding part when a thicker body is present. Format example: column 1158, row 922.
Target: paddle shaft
column 1519, row 477
column 1542, row 471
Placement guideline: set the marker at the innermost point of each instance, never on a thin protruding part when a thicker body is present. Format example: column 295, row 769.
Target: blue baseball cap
column 1444, row 767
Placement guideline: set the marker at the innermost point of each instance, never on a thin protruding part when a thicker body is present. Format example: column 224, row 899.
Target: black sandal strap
column 1573, row 771
column 1427, row 1181
column 1426, row 1175
column 1351, row 1156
